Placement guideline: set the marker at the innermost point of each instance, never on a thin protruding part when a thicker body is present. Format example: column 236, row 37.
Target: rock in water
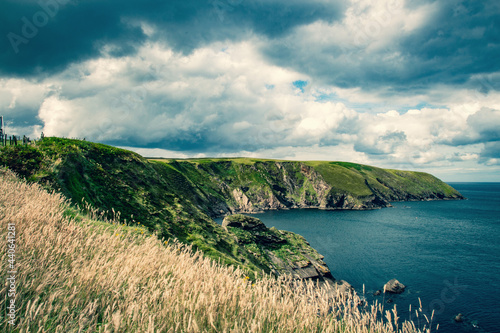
column 394, row 287
column 459, row 318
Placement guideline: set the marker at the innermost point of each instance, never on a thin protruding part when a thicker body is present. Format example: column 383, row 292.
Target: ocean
column 447, row 253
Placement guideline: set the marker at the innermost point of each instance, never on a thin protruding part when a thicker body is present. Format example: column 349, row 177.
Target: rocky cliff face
column 254, row 186
column 282, row 251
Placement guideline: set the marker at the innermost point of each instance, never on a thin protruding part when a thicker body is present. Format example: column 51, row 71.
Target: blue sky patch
column 300, row 84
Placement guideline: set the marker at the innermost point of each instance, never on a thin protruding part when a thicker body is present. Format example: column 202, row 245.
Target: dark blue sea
column 447, row 253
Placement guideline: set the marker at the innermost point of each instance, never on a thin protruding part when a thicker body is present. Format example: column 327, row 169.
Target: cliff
column 283, row 252
column 177, row 198
column 253, row 185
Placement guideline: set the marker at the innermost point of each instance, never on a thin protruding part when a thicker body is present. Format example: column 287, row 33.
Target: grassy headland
column 176, row 199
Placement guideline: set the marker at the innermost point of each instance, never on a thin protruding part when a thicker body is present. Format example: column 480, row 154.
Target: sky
column 411, row 85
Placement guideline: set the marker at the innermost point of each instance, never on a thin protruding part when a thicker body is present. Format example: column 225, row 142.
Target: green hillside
column 179, row 198
column 78, row 273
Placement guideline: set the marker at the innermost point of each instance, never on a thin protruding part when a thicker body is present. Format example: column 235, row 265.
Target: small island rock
column 394, row 287
column 459, row 318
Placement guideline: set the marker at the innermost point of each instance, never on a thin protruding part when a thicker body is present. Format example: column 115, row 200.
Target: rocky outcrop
column 242, row 201
column 243, row 222
column 394, row 287
column 284, row 252
column 293, row 185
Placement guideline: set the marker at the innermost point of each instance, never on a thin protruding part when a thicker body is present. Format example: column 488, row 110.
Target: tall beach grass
column 83, row 275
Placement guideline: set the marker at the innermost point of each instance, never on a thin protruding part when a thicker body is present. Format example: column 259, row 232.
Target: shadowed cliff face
column 176, row 198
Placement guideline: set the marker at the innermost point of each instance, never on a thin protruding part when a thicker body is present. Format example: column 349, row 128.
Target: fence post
column 1, row 128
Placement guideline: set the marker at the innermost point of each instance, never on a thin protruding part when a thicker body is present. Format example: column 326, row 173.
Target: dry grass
column 77, row 276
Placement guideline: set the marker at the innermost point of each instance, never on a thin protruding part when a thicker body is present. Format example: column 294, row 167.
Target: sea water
column 447, row 253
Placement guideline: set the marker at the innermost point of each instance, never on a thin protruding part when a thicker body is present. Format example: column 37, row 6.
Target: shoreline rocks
column 283, row 252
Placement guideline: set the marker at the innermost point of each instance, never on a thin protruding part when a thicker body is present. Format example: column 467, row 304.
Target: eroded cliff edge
column 251, row 185
column 282, row 251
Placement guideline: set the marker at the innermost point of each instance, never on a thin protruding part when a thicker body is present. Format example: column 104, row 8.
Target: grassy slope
column 116, row 180
column 80, row 274
column 360, row 182
column 291, row 248
column 259, row 179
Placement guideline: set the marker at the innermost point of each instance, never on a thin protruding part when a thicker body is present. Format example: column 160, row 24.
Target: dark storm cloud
column 490, row 153
column 462, row 39
column 458, row 41
column 22, row 116
column 483, row 126
column 45, row 36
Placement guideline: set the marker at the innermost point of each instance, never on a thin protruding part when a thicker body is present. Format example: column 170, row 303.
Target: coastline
column 261, row 211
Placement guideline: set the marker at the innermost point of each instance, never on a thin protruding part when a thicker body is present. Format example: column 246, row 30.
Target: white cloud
column 16, row 94
column 161, row 153
column 367, row 27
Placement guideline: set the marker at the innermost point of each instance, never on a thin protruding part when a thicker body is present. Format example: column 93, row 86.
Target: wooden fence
column 14, row 140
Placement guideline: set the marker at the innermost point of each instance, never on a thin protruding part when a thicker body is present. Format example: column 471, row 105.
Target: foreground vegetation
column 119, row 182
column 76, row 273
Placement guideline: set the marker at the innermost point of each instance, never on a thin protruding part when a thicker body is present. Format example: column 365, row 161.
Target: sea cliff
column 253, row 185
column 178, row 198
